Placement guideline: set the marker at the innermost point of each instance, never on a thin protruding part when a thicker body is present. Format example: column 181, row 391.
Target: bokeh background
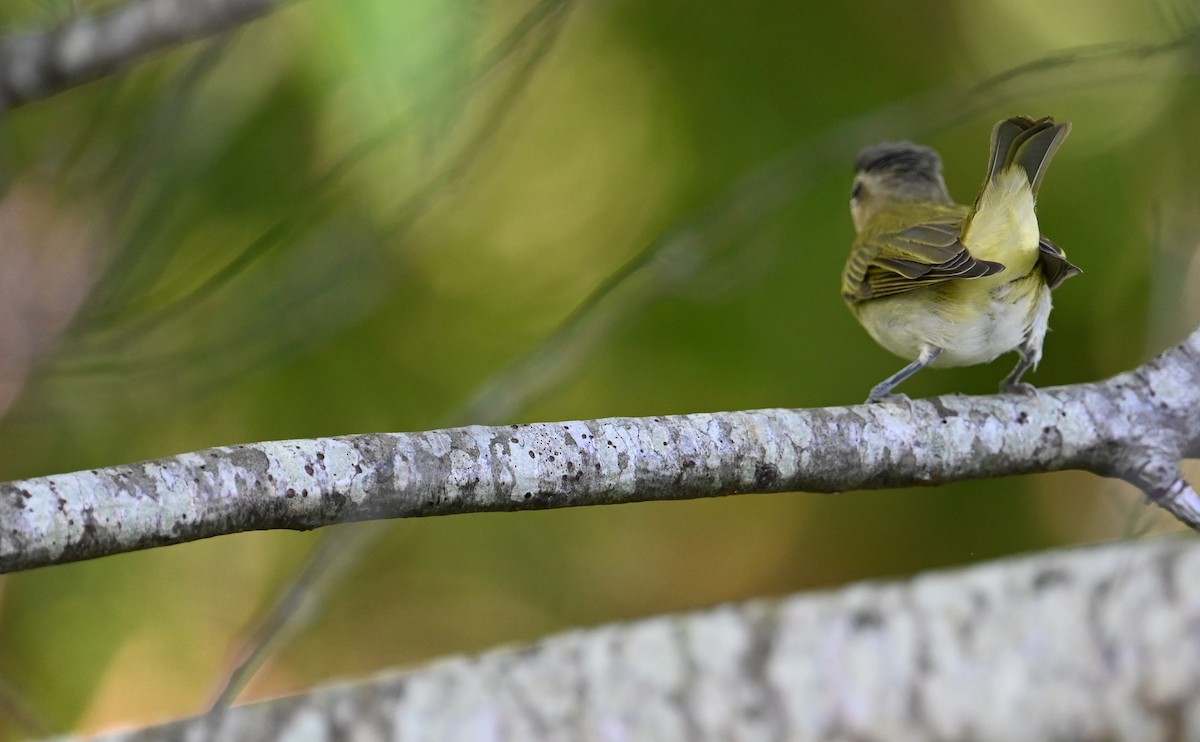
column 379, row 216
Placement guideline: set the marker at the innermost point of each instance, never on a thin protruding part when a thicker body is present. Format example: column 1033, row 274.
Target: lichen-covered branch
column 1135, row 426
column 40, row 64
column 1094, row 643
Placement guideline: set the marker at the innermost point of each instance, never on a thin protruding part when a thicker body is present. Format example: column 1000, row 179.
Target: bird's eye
column 858, row 189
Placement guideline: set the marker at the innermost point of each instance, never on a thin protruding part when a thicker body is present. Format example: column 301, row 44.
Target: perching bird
column 943, row 284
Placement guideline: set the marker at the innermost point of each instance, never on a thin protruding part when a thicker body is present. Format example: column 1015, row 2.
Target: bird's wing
column 922, row 255
column 1055, row 266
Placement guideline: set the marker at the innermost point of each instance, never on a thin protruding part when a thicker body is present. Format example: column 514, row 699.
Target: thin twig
column 39, row 64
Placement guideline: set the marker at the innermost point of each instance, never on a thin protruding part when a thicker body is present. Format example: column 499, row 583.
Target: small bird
column 942, row 284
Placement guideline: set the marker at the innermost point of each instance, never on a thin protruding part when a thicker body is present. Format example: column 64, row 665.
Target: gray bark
column 1136, row 426
column 1096, row 643
column 39, row 64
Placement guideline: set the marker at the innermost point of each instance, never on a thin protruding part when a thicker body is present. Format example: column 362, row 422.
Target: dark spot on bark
column 1022, row 418
column 27, row 494
column 290, row 492
column 924, row 661
column 532, row 455
column 1048, row 578
column 513, row 440
column 304, row 493
column 943, row 411
column 597, row 465
column 357, row 469
column 966, row 631
column 979, row 601
column 688, row 464
column 1168, row 576
column 866, row 619
column 550, row 458
column 570, row 466
column 765, row 476
column 320, row 456
column 308, row 469
column 916, row 706
column 528, row 495
column 270, row 477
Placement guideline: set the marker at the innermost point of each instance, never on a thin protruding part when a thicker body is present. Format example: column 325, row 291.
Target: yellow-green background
column 482, row 209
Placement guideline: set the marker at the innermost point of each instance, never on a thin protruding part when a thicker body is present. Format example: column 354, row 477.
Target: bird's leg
column 1012, row 382
column 883, row 390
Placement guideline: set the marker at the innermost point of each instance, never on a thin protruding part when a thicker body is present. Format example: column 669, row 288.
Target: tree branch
column 1094, row 643
column 1135, row 426
column 38, row 65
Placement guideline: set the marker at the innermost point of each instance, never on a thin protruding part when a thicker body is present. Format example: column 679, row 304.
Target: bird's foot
column 890, row 398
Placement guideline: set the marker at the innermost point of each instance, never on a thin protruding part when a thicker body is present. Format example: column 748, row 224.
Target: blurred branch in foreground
column 1136, row 426
column 38, row 65
column 1090, row 643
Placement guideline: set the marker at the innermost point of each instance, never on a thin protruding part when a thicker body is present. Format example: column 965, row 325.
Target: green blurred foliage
column 353, row 217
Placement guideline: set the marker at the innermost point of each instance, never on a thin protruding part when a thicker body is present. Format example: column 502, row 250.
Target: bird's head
column 895, row 171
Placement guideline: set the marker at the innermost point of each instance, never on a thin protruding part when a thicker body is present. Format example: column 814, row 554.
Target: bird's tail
column 1026, row 143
